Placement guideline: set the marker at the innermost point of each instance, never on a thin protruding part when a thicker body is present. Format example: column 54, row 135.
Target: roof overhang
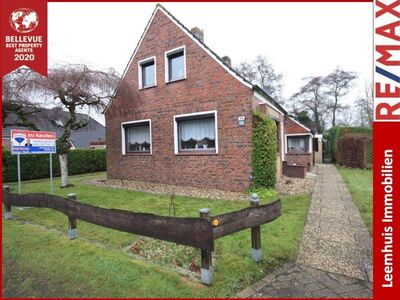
column 261, row 97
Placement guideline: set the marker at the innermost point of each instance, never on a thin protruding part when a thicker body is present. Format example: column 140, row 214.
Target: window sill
column 137, row 154
column 148, row 87
column 175, row 80
column 298, row 153
column 196, row 153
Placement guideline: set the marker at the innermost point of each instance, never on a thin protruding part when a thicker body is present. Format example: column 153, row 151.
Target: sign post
column 33, row 142
column 19, row 174
column 51, row 174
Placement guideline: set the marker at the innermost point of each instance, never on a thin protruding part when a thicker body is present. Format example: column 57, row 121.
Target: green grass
column 44, row 263
column 359, row 183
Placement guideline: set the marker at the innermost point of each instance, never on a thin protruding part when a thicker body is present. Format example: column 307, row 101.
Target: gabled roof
column 81, row 138
column 227, row 67
column 293, row 118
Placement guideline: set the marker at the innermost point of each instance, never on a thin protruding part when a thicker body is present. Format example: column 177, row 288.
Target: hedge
column 37, row 166
column 338, row 131
column 265, row 143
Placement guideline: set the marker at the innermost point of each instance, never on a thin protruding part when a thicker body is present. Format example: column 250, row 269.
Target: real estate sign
column 32, row 142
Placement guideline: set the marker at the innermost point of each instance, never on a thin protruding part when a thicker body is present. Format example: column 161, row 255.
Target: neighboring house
column 298, row 143
column 81, row 138
column 190, row 121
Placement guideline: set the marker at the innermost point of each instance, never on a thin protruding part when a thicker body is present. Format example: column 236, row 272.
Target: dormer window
column 175, row 64
column 147, row 73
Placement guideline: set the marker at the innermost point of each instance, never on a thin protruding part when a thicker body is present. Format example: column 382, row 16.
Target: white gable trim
column 298, row 123
column 159, row 8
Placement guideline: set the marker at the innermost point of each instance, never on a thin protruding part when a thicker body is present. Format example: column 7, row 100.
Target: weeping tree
column 71, row 87
column 17, row 104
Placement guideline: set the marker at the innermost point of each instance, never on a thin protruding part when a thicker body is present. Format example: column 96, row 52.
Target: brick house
column 298, row 147
column 190, row 120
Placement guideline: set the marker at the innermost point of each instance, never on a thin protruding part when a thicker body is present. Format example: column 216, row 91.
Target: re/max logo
column 387, row 61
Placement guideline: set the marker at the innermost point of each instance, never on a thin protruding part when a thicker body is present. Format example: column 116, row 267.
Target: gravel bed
column 295, row 186
column 285, row 186
column 159, row 188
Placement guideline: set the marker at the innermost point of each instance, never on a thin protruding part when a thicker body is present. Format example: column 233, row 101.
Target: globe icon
column 24, row 20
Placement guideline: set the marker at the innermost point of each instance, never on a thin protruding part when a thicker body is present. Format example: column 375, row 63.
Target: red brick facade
column 207, row 87
column 291, row 127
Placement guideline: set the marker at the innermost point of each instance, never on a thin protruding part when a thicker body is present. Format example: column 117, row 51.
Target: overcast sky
column 300, row 39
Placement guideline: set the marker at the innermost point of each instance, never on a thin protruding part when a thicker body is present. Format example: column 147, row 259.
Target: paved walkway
column 335, row 251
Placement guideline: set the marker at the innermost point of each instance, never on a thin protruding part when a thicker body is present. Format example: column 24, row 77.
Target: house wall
column 318, row 154
column 207, row 87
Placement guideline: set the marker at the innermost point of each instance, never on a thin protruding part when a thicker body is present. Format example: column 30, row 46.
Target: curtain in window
column 197, row 130
column 139, row 134
column 298, row 143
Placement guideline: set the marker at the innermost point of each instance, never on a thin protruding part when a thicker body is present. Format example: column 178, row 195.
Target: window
column 136, row 137
column 175, row 68
column 147, row 73
column 196, row 133
column 298, row 143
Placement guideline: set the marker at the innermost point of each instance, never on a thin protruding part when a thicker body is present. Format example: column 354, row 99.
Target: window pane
column 176, row 66
column 197, row 134
column 138, row 138
column 148, row 74
column 299, row 144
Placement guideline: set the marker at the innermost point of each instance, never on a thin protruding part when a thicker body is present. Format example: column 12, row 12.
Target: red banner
column 24, row 35
column 386, row 222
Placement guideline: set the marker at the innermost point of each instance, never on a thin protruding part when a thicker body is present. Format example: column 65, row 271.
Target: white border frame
column 176, row 145
column 310, row 150
column 140, row 73
column 166, row 63
column 123, row 152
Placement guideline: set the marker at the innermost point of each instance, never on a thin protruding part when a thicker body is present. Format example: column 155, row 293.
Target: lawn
column 40, row 261
column 359, row 183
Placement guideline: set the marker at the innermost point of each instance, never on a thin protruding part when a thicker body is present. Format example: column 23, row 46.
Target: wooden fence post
column 256, row 252
column 206, row 256
column 72, row 232
column 7, row 208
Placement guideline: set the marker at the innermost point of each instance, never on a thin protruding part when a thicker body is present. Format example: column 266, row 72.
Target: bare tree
column 364, row 107
column 71, row 87
column 16, row 103
column 338, row 84
column 311, row 98
column 261, row 72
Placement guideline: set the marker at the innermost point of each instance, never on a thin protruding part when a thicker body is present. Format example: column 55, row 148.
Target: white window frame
column 176, row 134
column 140, row 73
column 166, row 62
column 123, row 146
column 299, row 134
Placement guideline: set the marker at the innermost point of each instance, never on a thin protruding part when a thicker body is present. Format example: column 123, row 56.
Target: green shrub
column 265, row 143
column 338, row 131
column 36, row 166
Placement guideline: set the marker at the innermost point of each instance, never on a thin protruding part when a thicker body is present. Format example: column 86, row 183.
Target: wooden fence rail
column 195, row 232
